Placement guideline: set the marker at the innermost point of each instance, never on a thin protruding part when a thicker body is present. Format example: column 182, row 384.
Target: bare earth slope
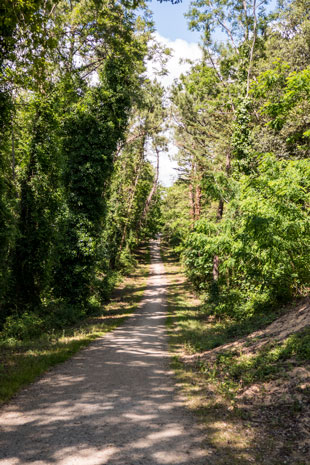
column 114, row 403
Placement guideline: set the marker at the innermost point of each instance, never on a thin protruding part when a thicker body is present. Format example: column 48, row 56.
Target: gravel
column 113, row 403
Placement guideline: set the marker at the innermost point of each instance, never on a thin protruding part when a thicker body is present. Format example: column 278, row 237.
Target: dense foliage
column 73, row 86
column 242, row 128
column 80, row 119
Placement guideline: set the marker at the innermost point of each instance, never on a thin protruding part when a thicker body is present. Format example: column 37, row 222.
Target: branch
column 252, row 49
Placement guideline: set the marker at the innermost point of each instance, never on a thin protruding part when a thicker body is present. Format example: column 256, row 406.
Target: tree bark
column 133, row 191
column 252, row 49
column 151, row 194
column 13, row 151
column 191, row 204
column 197, row 202
column 219, row 216
column 216, row 260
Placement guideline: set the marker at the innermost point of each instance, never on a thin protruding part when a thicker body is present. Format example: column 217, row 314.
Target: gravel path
column 113, row 403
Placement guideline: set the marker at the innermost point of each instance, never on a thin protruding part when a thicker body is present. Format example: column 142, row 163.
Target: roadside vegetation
column 248, row 381
column 236, row 231
column 81, row 120
column 27, row 351
column 78, row 195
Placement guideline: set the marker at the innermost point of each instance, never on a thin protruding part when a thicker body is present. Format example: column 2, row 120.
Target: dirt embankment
column 277, row 405
column 294, row 320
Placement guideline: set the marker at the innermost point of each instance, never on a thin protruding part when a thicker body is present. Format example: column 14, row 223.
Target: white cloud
column 176, row 65
column 167, row 167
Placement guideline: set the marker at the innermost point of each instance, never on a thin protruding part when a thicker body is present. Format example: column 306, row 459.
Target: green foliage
column 91, row 133
column 263, row 243
column 7, row 217
column 71, row 76
column 244, row 160
column 284, row 97
column 175, row 214
column 135, row 196
column 242, row 128
column 38, row 207
column 27, row 326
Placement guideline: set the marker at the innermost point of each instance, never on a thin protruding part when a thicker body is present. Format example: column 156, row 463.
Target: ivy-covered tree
column 134, row 190
column 242, row 127
column 71, row 73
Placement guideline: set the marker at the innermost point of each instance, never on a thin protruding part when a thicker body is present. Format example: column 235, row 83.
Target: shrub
column 263, row 242
column 26, row 326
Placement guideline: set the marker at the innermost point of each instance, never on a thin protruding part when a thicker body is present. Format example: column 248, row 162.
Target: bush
column 263, row 242
column 27, row 326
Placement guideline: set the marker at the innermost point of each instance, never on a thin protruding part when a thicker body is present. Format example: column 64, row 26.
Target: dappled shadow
column 241, row 430
column 276, row 433
column 114, row 403
column 154, row 288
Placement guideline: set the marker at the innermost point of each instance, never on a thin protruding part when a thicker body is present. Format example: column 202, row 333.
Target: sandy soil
column 289, row 323
column 113, row 403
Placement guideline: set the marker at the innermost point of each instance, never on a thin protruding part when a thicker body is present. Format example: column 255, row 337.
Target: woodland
column 79, row 119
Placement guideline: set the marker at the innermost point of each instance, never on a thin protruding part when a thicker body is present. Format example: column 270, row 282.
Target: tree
column 242, row 128
column 134, row 184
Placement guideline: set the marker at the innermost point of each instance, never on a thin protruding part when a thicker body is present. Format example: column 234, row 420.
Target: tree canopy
column 80, row 118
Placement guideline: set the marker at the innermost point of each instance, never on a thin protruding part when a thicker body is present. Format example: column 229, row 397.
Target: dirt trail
column 113, row 403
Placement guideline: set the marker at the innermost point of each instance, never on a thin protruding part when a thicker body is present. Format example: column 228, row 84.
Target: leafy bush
column 263, row 241
column 26, row 326
column 106, row 284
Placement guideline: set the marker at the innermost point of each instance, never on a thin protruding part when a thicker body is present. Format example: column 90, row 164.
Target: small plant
column 26, row 326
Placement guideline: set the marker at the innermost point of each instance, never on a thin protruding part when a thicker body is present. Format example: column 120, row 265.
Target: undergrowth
column 27, row 349
column 238, row 433
column 198, row 330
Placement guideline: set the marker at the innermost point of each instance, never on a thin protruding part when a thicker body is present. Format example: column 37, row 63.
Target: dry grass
column 251, row 392
column 21, row 362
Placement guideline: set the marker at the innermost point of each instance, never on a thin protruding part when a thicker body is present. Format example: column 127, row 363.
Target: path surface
column 113, row 403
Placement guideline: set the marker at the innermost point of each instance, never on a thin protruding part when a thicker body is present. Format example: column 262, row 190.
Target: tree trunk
column 216, row 260
column 219, row 216
column 13, row 151
column 151, row 194
column 132, row 194
column 197, row 202
column 192, row 204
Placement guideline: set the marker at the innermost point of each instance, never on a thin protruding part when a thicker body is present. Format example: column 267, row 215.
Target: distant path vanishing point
column 113, row 403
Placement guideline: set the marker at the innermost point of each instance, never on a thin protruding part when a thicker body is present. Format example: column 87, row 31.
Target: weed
column 240, row 432
column 24, row 355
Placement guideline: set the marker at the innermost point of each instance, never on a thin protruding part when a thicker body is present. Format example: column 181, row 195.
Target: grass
column 239, row 433
column 275, row 358
column 190, row 332
column 22, row 361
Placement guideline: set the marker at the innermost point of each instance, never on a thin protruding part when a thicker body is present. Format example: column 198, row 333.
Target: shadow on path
column 113, row 403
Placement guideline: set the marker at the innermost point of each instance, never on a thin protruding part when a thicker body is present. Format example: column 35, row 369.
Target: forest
column 84, row 129
column 79, row 117
column 77, row 190
column 239, row 212
column 79, row 120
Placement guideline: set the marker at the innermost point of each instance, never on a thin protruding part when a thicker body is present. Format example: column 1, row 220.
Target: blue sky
column 170, row 22
column 172, row 31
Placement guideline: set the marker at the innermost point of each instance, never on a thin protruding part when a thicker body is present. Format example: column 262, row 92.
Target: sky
column 170, row 22
column 172, row 31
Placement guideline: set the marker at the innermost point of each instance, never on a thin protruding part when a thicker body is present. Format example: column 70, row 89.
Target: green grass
column 267, row 363
column 238, row 433
column 22, row 361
